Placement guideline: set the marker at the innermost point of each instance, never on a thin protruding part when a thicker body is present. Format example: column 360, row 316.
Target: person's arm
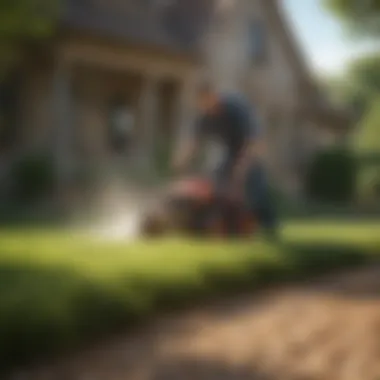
column 252, row 151
column 189, row 148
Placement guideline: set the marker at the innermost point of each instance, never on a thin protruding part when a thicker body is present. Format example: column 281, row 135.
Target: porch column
column 148, row 109
column 62, row 123
column 185, row 113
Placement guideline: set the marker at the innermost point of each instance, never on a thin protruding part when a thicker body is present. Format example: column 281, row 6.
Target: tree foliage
column 367, row 137
column 365, row 72
column 359, row 84
column 342, row 91
column 23, row 22
column 366, row 142
column 363, row 77
column 360, row 16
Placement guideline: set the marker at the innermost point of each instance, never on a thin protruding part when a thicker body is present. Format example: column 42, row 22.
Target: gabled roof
column 278, row 18
column 315, row 102
column 178, row 26
column 175, row 25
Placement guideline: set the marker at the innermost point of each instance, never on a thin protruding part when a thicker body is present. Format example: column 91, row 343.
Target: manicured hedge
column 332, row 176
column 32, row 177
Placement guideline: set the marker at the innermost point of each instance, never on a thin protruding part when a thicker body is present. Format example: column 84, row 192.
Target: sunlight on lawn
column 333, row 232
column 63, row 242
column 93, row 253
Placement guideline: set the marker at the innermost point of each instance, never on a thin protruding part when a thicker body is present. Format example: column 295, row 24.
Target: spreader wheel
column 248, row 226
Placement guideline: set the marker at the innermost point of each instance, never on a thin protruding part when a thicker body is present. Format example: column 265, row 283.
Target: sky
column 321, row 37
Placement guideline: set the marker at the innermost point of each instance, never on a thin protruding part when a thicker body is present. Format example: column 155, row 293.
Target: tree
column 366, row 143
column 342, row 90
column 23, row 22
column 367, row 137
column 360, row 87
column 359, row 84
column 363, row 76
column 360, row 16
column 365, row 73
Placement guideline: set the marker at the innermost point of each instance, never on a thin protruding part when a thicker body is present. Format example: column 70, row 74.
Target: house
column 251, row 48
column 147, row 56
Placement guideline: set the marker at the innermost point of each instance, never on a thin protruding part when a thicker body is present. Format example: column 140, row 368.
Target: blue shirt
column 232, row 125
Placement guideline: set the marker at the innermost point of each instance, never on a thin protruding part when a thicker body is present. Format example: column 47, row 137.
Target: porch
column 154, row 88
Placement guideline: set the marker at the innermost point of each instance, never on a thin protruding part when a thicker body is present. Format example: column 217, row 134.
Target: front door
column 121, row 126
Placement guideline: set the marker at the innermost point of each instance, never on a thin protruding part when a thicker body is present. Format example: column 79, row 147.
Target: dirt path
column 328, row 330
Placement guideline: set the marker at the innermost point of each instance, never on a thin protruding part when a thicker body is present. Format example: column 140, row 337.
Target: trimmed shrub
column 32, row 177
column 332, row 176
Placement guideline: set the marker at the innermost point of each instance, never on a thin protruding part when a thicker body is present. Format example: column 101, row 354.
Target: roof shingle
column 177, row 25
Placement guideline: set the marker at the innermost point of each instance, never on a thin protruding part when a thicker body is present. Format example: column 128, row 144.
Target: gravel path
column 326, row 330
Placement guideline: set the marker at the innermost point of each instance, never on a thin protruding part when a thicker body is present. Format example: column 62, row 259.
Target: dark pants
column 256, row 192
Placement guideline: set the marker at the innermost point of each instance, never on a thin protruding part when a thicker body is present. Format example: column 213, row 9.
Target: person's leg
column 221, row 182
column 259, row 199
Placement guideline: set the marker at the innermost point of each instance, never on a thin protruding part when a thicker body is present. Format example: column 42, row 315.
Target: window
column 9, row 114
column 121, row 125
column 258, row 44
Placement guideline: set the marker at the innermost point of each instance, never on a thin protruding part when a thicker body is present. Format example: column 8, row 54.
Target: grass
column 59, row 289
column 361, row 234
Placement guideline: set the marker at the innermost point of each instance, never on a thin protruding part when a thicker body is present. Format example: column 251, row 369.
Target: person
column 229, row 120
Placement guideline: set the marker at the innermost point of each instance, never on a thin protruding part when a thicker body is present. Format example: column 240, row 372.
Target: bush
column 32, row 177
column 366, row 144
column 332, row 176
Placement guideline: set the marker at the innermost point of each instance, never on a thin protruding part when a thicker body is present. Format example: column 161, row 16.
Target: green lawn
column 58, row 288
column 337, row 232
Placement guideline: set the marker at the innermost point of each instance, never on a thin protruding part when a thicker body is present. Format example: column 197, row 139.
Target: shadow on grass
column 26, row 215
column 189, row 369
column 312, row 259
column 47, row 310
